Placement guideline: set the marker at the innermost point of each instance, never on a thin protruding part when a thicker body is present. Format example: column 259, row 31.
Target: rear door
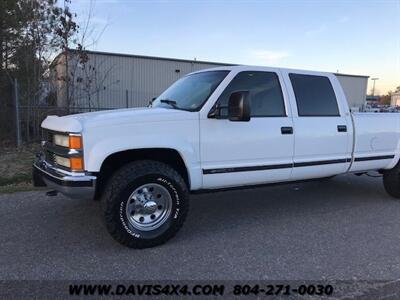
column 322, row 126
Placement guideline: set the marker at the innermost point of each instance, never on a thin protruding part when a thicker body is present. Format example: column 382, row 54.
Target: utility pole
column 17, row 125
column 373, row 87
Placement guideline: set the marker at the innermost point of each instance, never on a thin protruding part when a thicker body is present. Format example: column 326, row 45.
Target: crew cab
column 228, row 127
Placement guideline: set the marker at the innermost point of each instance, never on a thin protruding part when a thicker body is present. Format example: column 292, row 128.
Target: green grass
column 16, row 168
column 15, row 179
column 17, row 187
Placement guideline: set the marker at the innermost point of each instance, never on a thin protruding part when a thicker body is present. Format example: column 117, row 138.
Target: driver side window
column 266, row 99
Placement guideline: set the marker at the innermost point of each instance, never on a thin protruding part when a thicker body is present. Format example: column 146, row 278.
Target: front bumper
column 74, row 185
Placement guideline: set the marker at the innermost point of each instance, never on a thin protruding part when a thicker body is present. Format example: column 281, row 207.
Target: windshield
column 190, row 92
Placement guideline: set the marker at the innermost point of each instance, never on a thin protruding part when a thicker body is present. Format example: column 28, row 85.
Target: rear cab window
column 314, row 95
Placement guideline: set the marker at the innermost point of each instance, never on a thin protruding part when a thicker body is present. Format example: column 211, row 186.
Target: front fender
column 96, row 151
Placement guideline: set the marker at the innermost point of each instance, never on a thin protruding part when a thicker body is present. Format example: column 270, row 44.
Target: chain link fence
column 20, row 123
column 29, row 119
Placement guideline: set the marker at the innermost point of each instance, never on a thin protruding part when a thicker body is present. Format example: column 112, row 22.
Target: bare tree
column 80, row 75
column 31, row 33
column 91, row 81
column 27, row 41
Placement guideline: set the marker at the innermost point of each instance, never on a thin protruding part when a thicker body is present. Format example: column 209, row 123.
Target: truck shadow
column 78, row 223
column 263, row 206
column 231, row 212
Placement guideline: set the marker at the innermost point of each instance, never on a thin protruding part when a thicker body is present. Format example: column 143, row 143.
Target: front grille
column 49, row 157
column 47, row 136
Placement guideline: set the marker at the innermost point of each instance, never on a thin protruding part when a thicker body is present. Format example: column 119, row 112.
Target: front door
column 254, row 152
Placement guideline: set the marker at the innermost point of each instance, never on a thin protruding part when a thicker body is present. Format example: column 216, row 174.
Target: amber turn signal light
column 76, row 163
column 75, row 142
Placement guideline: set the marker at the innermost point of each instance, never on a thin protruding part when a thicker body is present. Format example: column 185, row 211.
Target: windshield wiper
column 170, row 102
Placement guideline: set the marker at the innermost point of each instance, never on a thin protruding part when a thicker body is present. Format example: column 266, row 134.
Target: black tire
column 117, row 194
column 391, row 181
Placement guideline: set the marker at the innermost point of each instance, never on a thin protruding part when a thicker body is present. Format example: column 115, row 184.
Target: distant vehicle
column 374, row 109
column 223, row 128
column 381, row 108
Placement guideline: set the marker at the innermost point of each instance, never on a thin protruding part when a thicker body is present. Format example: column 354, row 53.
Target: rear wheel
column 145, row 204
column 391, row 181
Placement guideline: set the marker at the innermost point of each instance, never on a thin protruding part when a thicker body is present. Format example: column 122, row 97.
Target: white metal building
column 395, row 99
column 110, row 80
column 355, row 89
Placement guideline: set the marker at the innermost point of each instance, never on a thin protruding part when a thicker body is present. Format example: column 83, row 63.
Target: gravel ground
column 346, row 228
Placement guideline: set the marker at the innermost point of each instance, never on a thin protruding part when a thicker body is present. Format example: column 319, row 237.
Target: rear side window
column 266, row 98
column 314, row 95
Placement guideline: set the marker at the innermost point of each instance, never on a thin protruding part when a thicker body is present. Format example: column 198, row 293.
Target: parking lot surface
column 343, row 228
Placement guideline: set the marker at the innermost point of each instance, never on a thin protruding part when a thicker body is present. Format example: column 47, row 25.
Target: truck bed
column 375, row 135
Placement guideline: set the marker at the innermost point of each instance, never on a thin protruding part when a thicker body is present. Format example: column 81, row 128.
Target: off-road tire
column 391, row 181
column 116, row 196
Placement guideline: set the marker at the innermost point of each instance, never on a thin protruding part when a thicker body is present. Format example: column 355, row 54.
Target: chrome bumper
column 74, row 185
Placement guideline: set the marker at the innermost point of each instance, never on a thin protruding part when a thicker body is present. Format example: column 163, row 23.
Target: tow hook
column 51, row 193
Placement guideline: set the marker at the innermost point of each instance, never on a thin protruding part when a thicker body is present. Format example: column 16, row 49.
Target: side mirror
column 239, row 106
column 151, row 101
column 215, row 112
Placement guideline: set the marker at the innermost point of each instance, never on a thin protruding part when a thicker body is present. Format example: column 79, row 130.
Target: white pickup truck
column 221, row 128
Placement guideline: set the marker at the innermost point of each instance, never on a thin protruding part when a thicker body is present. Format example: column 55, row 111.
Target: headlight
column 61, row 140
column 73, row 163
column 62, row 161
column 68, row 153
column 68, row 141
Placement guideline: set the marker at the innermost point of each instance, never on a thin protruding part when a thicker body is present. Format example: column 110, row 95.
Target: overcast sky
column 357, row 37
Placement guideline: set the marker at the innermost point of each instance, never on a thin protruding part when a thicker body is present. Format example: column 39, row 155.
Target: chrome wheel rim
column 149, row 206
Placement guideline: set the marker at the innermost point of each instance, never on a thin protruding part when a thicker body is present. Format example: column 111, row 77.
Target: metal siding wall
column 143, row 78
column 395, row 100
column 355, row 89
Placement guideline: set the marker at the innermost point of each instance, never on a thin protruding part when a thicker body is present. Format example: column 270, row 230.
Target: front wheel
column 145, row 204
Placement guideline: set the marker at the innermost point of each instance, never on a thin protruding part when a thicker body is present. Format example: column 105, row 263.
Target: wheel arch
column 116, row 160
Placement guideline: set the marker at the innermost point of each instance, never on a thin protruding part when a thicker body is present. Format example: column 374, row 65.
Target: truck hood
column 78, row 122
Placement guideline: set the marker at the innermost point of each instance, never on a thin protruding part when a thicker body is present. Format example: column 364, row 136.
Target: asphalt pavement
column 346, row 228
